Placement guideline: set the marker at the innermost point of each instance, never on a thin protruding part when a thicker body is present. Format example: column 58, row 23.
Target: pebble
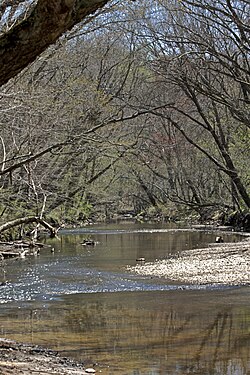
column 228, row 265
column 90, row 371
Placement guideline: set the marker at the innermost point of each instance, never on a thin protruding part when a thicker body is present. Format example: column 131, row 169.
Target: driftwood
column 19, row 249
column 27, row 220
column 11, row 254
column 16, row 249
column 21, row 244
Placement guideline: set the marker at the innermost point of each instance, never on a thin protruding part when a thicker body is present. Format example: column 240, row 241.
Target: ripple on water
column 38, row 287
column 51, row 277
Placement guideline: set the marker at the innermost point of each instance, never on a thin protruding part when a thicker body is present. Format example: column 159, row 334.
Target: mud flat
column 226, row 264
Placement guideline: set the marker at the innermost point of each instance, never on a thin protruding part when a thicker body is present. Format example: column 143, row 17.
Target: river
column 82, row 301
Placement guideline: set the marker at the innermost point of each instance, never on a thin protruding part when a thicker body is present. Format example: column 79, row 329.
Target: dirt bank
column 227, row 263
column 17, row 359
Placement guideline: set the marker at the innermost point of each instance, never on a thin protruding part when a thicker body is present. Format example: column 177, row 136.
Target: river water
column 82, row 301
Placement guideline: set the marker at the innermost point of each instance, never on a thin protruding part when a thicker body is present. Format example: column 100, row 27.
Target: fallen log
column 21, row 244
column 10, row 254
column 6, row 243
column 19, row 249
column 28, row 220
column 5, row 254
column 27, row 245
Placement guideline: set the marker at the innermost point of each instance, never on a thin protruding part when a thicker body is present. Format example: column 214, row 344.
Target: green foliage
column 76, row 211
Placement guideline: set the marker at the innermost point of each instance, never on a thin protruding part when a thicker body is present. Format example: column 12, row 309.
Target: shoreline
column 218, row 264
column 19, row 358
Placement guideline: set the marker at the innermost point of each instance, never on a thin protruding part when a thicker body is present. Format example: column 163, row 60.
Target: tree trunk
column 47, row 22
column 28, row 220
column 149, row 194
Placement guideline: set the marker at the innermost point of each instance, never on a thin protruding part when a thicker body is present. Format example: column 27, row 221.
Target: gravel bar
column 227, row 264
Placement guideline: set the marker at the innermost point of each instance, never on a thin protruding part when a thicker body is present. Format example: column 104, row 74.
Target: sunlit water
column 81, row 301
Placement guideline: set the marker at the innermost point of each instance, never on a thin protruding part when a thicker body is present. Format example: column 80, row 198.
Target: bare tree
column 58, row 123
column 199, row 51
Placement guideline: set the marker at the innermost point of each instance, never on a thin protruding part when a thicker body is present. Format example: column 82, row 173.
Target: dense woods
column 141, row 109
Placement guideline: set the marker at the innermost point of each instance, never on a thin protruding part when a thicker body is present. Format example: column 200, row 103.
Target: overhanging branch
column 46, row 23
column 28, row 220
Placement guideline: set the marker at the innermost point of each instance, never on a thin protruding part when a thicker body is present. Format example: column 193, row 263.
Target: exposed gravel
column 17, row 359
column 227, row 264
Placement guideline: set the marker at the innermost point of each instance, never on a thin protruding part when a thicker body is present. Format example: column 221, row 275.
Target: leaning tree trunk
column 47, row 22
column 28, row 220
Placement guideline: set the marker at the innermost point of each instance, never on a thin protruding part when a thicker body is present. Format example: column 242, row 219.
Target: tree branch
column 32, row 157
column 28, row 220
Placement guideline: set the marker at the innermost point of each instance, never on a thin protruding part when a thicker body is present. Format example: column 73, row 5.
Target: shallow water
column 81, row 301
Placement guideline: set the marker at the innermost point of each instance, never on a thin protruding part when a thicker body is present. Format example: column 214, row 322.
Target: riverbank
column 223, row 264
column 17, row 359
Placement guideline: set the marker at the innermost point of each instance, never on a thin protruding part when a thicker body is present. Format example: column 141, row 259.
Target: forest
column 139, row 110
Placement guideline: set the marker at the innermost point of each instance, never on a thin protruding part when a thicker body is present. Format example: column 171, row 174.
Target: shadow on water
column 63, row 300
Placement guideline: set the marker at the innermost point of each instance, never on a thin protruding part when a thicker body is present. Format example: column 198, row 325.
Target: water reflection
column 74, row 268
column 160, row 329
column 145, row 333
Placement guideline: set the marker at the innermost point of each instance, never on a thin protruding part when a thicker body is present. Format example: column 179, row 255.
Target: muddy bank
column 28, row 360
column 225, row 264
